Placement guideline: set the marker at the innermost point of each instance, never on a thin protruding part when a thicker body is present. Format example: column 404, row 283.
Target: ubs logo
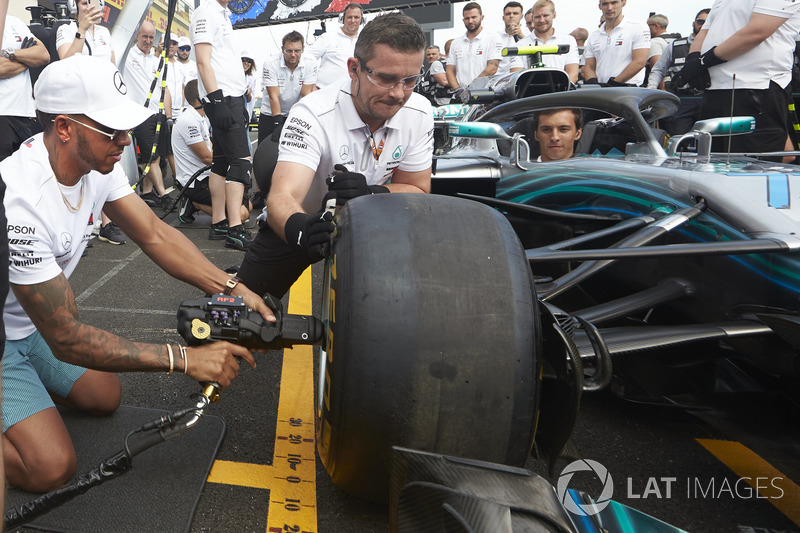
column 119, row 84
column 344, row 151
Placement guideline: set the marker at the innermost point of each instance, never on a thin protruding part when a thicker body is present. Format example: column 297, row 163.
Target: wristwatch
column 231, row 284
column 9, row 54
column 78, row 35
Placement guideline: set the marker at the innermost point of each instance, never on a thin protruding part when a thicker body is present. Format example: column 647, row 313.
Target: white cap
column 88, row 85
column 184, row 41
column 174, row 37
column 246, row 54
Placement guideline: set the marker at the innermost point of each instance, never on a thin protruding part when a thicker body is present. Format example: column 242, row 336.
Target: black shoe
column 151, row 199
column 218, row 231
column 238, row 238
column 110, row 234
column 166, row 203
column 185, row 210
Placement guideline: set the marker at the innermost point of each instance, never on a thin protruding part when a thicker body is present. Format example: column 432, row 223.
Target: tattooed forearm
column 52, row 308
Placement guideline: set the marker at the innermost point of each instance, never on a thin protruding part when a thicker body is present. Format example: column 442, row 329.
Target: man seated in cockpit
column 557, row 131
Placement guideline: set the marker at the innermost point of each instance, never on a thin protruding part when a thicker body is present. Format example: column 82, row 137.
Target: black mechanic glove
column 460, row 96
column 591, row 81
column 219, row 114
column 614, row 83
column 27, row 42
column 310, row 233
column 277, row 123
column 348, row 185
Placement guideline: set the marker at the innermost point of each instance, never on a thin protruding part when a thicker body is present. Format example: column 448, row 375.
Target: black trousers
column 770, row 107
column 270, row 265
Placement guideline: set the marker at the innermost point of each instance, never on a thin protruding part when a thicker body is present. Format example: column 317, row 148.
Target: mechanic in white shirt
column 368, row 134
column 249, row 66
column 71, row 172
column 141, row 67
column 512, row 16
column 285, row 79
column 616, row 53
column 20, row 51
column 333, row 49
column 191, row 142
column 745, row 50
column 187, row 67
column 544, row 13
column 222, row 88
column 475, row 54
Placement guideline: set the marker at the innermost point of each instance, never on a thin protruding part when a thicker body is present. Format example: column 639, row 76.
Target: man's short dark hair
column 353, row 6
column 432, row 46
column 190, row 91
column 45, row 120
column 472, row 5
column 705, row 11
column 512, row 4
column 292, row 37
column 576, row 112
column 399, row 32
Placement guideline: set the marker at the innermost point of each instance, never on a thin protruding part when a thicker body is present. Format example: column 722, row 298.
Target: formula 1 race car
column 470, row 326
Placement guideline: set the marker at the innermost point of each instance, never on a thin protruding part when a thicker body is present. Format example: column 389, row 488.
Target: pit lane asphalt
column 119, row 289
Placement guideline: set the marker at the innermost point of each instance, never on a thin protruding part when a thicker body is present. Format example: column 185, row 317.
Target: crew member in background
column 671, row 62
column 434, row 85
column 89, row 38
column 476, row 53
column 191, row 142
column 580, row 35
column 512, row 16
column 659, row 38
column 616, row 53
column 17, row 112
column 387, row 130
column 285, row 80
column 529, row 19
column 222, row 86
column 332, row 49
column 745, row 51
column 187, row 67
column 141, row 66
column 249, row 66
column 544, row 13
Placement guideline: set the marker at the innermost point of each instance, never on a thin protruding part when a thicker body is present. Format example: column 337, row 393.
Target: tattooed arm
column 52, row 308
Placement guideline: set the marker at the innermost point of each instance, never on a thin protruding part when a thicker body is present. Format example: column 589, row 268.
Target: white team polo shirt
column 190, row 128
column 140, row 70
column 188, row 70
column 324, row 129
column 471, row 57
column 175, row 85
column 508, row 62
column 44, row 237
column 555, row 60
column 769, row 61
column 16, row 93
column 211, row 24
column 614, row 52
column 332, row 49
column 275, row 73
column 96, row 42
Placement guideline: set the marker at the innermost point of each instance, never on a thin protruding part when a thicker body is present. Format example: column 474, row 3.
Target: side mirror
column 719, row 127
column 477, row 130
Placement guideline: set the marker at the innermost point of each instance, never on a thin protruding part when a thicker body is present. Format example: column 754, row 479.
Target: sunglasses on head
column 185, row 48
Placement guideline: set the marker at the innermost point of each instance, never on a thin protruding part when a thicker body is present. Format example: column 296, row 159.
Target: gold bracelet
column 171, row 360
column 185, row 356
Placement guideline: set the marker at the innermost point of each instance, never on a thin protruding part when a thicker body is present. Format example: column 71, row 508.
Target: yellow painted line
column 767, row 480
column 242, row 474
column 292, row 477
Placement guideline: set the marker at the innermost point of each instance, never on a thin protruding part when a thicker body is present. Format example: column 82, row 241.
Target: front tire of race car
column 433, row 339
